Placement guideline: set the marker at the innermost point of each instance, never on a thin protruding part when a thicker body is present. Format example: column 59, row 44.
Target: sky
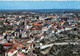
column 13, row 5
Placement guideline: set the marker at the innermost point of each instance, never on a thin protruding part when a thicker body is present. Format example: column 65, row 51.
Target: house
column 17, row 32
column 11, row 52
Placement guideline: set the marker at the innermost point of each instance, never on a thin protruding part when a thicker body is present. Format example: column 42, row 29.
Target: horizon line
column 39, row 9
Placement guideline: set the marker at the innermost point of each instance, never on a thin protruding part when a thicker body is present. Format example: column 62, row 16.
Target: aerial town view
column 40, row 32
